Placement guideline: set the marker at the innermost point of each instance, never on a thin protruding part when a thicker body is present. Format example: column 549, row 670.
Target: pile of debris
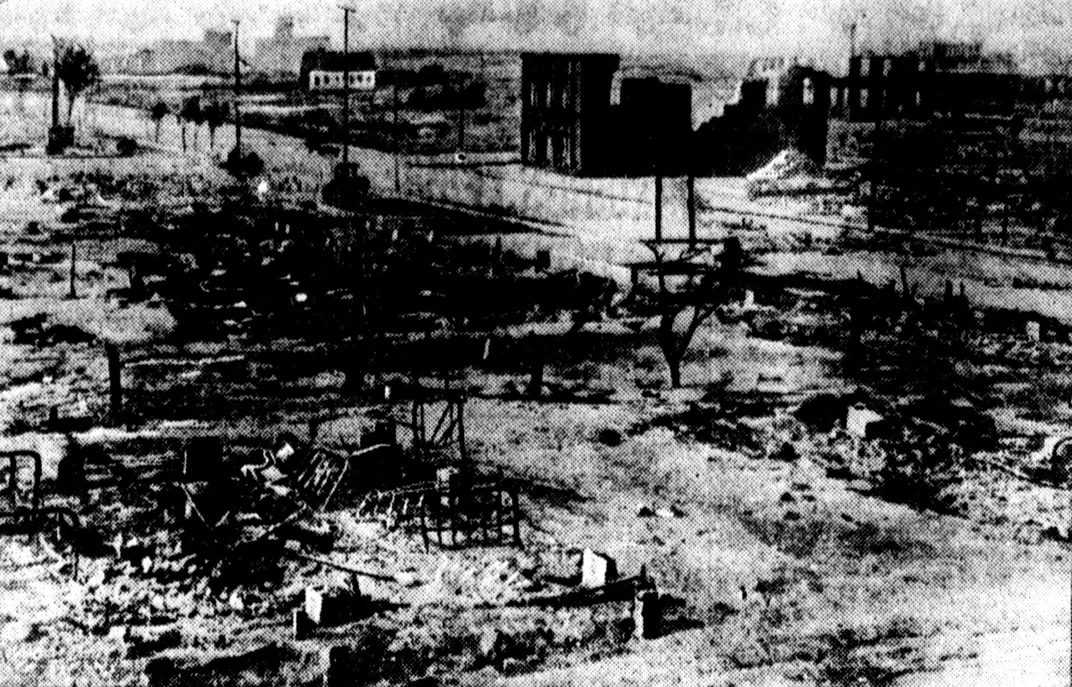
column 791, row 172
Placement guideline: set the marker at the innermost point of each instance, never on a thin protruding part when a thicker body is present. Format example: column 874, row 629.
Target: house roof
column 334, row 61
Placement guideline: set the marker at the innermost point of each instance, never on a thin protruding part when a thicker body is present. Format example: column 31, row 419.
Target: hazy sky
column 816, row 27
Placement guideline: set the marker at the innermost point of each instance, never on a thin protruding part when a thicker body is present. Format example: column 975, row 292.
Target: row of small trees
column 192, row 111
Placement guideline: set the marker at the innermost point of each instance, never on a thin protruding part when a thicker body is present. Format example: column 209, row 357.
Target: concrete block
column 858, row 419
column 597, row 569
column 300, row 624
column 314, row 604
column 1033, row 331
column 331, row 605
column 647, row 614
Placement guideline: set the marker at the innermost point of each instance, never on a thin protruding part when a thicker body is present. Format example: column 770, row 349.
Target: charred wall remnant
column 939, row 77
column 565, row 105
column 780, row 105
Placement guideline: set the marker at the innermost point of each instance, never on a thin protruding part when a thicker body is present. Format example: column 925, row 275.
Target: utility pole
column 690, row 183
column 394, row 134
column 55, row 83
column 237, row 94
column 658, row 205
column 461, row 114
column 73, row 292
column 346, row 85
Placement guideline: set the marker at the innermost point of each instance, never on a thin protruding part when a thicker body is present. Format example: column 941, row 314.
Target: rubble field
column 859, row 483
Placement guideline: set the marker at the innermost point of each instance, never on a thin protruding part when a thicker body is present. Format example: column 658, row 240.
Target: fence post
column 73, row 293
column 499, row 493
column 461, row 428
column 517, row 520
column 424, row 521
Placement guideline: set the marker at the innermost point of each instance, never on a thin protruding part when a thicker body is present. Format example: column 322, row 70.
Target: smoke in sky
column 816, row 28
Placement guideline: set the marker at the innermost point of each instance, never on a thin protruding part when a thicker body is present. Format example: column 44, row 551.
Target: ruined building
column 565, row 111
column 937, row 78
column 780, row 104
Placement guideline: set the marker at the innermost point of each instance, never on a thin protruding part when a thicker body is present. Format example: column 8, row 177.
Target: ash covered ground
column 859, row 481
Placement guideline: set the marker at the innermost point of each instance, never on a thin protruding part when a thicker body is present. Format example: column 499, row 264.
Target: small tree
column 182, row 116
column 197, row 118
column 214, row 115
column 699, row 290
column 78, row 70
column 157, row 113
column 18, row 63
column 190, row 112
column 21, row 67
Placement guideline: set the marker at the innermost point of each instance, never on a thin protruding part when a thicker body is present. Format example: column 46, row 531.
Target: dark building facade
column 656, row 125
column 937, row 78
column 566, row 110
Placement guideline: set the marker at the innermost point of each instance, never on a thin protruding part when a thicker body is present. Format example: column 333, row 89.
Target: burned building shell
column 780, row 105
column 937, row 78
column 565, row 106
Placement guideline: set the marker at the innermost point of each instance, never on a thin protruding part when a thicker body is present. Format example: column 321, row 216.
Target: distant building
column 565, row 111
column 780, row 104
column 282, row 53
column 323, row 70
column 212, row 54
column 937, row 77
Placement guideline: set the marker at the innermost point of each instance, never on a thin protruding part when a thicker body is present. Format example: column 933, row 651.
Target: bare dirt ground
column 780, row 557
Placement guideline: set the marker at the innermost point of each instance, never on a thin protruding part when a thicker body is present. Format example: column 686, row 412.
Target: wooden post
column 499, row 493
column 517, row 520
column 437, row 517
column 12, row 484
column 488, row 504
column 424, row 521
column 461, row 115
column 461, row 429
column 237, row 101
column 115, row 381
column 394, row 135
column 690, row 183
column 646, row 613
column 346, row 90
column 658, row 207
column 452, row 519
column 535, row 388
column 74, row 272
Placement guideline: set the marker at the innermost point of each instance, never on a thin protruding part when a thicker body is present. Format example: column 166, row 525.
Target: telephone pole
column 346, row 10
column 237, row 93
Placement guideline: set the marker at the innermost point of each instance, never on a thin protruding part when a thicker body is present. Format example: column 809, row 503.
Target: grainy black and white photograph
column 535, row 343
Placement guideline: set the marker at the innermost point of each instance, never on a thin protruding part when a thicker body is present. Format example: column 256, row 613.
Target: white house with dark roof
column 323, row 70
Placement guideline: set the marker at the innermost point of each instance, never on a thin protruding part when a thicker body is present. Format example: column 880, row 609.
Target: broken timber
column 395, row 507
column 321, row 475
column 34, row 518
column 444, row 431
column 459, row 516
